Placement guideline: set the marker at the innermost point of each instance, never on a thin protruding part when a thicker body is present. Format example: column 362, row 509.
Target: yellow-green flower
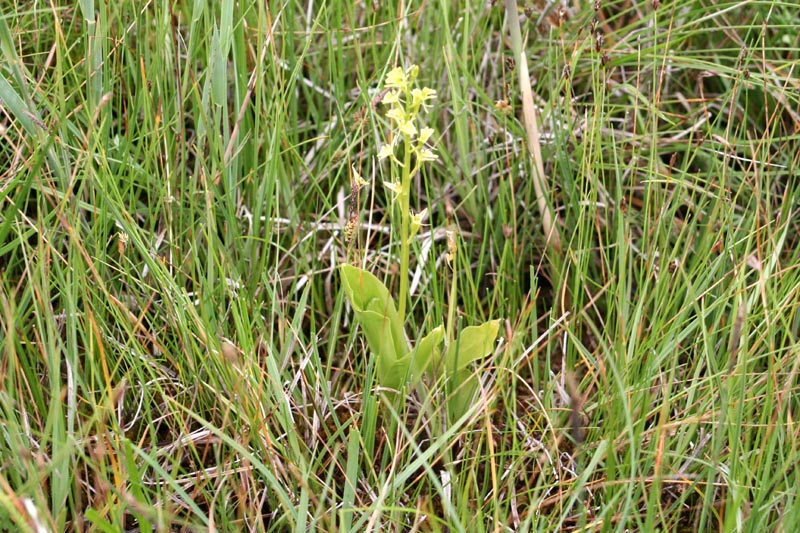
column 427, row 155
column 420, row 96
column 397, row 79
column 407, row 128
column 397, row 114
column 416, row 221
column 424, row 135
column 396, row 188
column 385, row 151
column 392, row 97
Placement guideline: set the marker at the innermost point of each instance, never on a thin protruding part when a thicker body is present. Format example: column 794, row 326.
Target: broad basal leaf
column 375, row 311
column 425, row 351
column 474, row 343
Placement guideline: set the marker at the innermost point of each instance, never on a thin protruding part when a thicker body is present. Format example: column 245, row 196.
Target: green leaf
column 394, row 375
column 219, row 70
column 376, row 313
column 474, row 343
column 425, row 351
column 461, row 390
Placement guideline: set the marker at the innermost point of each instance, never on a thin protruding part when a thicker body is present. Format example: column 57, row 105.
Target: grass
column 177, row 352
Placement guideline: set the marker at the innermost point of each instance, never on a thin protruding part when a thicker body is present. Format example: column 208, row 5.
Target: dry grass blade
column 532, row 129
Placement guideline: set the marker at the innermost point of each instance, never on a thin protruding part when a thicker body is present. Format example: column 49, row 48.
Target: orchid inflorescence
column 405, row 103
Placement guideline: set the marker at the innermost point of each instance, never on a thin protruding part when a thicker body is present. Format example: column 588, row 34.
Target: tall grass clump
column 215, row 316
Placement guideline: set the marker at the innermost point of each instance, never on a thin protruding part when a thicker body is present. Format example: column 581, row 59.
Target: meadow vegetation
column 181, row 183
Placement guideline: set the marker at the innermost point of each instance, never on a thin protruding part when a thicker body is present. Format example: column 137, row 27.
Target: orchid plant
column 383, row 322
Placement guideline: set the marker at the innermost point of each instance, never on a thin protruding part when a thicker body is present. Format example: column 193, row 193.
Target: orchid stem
column 405, row 237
